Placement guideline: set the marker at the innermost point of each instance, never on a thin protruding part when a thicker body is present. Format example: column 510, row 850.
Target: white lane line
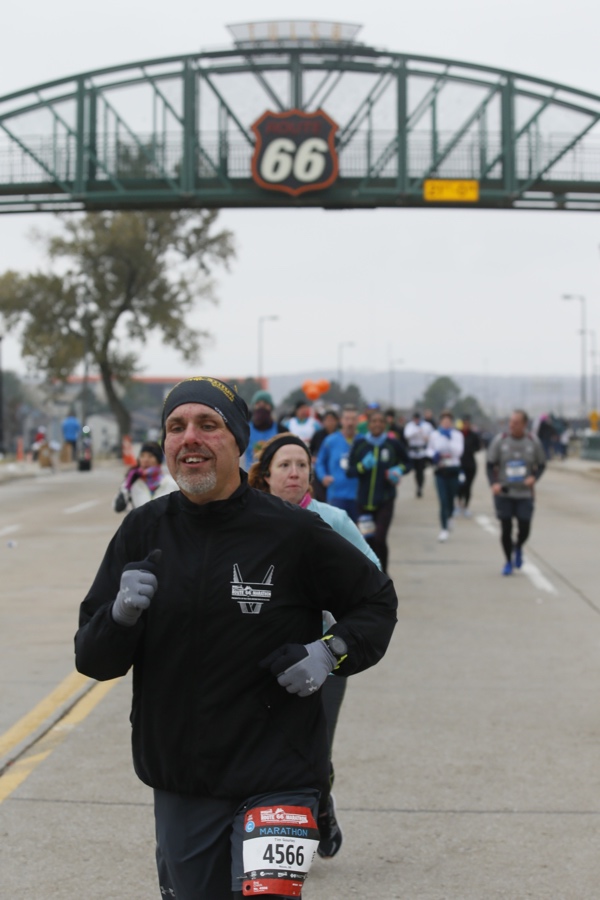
column 537, row 579
column 486, row 523
column 9, row 529
column 80, row 507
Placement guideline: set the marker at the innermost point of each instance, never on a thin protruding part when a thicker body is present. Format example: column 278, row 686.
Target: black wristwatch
column 337, row 645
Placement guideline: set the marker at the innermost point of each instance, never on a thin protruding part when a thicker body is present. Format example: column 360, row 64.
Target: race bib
column 366, row 525
column 280, row 843
column 447, row 461
column 344, row 463
column 385, row 455
column 516, row 470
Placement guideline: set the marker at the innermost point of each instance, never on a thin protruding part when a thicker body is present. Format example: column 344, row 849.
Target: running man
column 515, row 461
column 332, row 465
column 468, row 463
column 416, row 435
column 214, row 595
column 378, row 461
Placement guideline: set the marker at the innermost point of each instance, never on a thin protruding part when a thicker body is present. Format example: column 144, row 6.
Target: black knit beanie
column 153, row 448
column 221, row 397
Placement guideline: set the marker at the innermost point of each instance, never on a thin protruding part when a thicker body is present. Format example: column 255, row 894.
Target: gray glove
column 137, row 588
column 301, row 668
column 120, row 504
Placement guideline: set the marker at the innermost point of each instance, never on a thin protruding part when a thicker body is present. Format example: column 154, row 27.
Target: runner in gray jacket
column 515, row 461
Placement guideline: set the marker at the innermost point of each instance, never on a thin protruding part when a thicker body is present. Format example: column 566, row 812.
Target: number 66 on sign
column 295, row 152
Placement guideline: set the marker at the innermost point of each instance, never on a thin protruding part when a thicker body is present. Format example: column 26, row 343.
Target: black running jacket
column 237, row 579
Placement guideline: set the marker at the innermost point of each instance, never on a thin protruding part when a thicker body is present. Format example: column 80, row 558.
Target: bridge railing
column 46, row 158
column 177, row 129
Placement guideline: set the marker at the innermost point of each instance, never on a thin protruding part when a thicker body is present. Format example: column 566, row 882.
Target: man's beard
column 197, row 484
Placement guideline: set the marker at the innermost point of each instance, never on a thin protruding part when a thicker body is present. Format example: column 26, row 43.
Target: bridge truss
column 177, row 132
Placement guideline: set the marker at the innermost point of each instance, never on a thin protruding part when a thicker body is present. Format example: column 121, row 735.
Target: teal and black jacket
column 374, row 488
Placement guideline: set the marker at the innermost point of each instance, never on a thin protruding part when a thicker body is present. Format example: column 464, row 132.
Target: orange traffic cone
column 127, row 453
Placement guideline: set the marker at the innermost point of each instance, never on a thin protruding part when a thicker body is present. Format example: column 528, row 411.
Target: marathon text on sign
column 446, row 190
column 295, row 152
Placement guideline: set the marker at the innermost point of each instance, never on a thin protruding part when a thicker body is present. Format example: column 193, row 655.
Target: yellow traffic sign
column 447, row 190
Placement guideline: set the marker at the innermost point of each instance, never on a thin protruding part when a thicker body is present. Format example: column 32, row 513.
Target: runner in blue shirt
column 332, row 463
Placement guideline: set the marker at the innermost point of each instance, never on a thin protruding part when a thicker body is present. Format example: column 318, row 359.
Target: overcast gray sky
column 445, row 291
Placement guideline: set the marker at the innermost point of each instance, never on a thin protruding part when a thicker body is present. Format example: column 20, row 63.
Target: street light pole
column 594, row 367
column 583, row 333
column 1, row 398
column 261, row 321
column 341, row 346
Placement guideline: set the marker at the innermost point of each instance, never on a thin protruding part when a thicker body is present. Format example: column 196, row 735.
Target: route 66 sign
column 295, row 151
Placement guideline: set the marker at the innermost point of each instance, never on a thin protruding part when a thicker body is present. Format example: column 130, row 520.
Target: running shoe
column 507, row 570
column 330, row 833
column 443, row 535
column 518, row 558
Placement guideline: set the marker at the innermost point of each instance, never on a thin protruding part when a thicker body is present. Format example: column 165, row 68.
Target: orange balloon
column 312, row 391
column 323, row 385
column 306, row 385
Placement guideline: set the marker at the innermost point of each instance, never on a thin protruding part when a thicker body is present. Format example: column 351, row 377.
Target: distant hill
column 497, row 394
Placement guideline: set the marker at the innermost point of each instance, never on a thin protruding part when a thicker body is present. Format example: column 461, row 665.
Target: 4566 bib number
column 290, row 854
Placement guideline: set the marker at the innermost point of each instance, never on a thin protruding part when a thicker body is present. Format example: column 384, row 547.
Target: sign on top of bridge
column 293, row 31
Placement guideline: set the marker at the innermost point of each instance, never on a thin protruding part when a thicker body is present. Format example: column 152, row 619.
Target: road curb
column 44, row 727
column 591, row 472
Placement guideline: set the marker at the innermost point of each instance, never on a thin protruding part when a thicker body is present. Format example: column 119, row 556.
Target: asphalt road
column 467, row 761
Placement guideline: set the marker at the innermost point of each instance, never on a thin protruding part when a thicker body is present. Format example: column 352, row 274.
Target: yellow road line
column 45, row 708
column 16, row 774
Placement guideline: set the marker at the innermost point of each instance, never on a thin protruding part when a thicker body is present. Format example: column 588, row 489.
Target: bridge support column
column 508, row 136
column 402, row 129
column 188, row 168
column 80, row 172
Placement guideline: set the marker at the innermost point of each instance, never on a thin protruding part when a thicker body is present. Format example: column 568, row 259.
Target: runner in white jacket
column 416, row 434
column 145, row 481
column 445, row 448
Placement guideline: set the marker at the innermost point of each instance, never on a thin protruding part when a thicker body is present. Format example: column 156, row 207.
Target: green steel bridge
column 387, row 129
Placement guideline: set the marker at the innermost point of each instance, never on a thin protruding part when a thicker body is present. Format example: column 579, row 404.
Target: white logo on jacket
column 251, row 594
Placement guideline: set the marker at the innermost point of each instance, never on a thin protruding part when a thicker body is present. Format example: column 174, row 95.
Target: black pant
column 464, row 488
column 419, row 466
column 507, row 509
column 199, row 842
column 332, row 695
column 523, row 529
column 382, row 516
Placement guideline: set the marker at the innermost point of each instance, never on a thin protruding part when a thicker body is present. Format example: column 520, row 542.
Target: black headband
column 279, row 442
